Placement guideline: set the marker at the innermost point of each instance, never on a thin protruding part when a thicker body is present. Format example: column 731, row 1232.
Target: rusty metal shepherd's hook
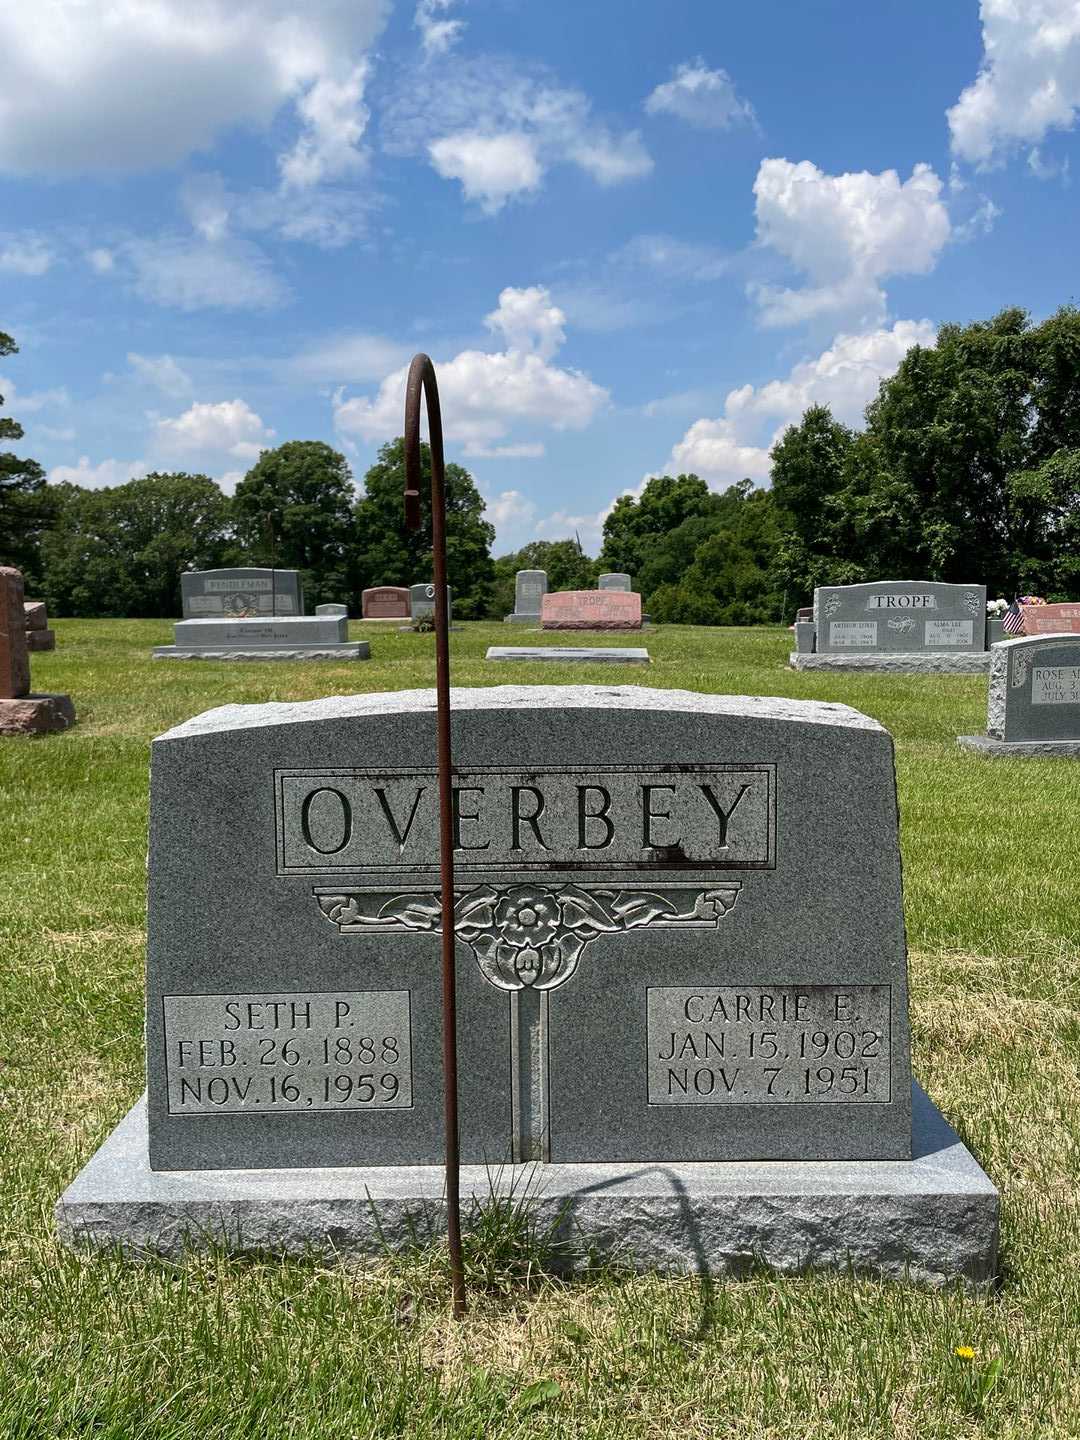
column 422, row 378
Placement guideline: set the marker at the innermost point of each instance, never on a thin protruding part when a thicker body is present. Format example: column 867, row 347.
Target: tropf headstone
column 591, row 610
column 1033, row 707
column 530, row 587
column 385, row 602
column 21, row 711
column 916, row 625
column 681, row 959
column 242, row 592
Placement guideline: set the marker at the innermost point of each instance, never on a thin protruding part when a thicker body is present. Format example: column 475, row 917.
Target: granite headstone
column 23, row 712
column 900, row 617
column 243, row 591
column 615, row 580
column 591, row 610
column 1051, row 619
column 530, row 587
column 385, row 602
column 1033, row 705
column 304, row 637
column 422, row 601
column 332, row 609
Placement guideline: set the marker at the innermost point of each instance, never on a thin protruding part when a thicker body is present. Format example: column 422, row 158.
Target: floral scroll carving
column 530, row 936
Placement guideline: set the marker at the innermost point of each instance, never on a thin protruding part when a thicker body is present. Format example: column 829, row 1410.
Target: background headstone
column 900, row 617
column 530, row 587
column 804, row 637
column 615, row 580
column 385, row 602
column 332, row 610
column 23, row 712
column 246, row 590
column 38, row 635
column 301, row 637
column 591, row 610
column 422, row 601
column 1051, row 619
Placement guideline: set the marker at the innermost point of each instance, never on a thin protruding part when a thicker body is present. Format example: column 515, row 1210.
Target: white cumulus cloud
column 96, row 477
column 227, row 427
column 846, row 377
column 335, row 118
column 485, row 394
column 193, row 274
column 702, row 97
column 162, row 372
column 846, row 233
column 437, row 32
column 33, row 401
column 128, row 85
column 1029, row 81
column 25, row 254
column 498, row 129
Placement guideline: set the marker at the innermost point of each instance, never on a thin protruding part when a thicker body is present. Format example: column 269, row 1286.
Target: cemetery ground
column 219, row 1347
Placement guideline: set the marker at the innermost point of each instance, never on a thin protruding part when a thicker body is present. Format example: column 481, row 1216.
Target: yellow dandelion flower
column 965, row 1352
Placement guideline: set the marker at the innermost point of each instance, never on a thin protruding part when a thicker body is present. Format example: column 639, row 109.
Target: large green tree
column 634, row 525
column 121, row 550
column 386, row 553
column 25, row 507
column 293, row 509
column 564, row 561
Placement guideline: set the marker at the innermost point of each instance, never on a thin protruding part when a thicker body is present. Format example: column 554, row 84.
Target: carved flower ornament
column 525, row 935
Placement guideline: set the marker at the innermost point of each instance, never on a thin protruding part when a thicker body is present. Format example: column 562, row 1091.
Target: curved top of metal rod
column 421, row 377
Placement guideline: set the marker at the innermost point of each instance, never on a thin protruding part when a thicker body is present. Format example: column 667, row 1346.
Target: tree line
column 967, row 469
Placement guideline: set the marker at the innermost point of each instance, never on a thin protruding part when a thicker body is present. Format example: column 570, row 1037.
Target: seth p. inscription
column 772, row 1044
column 605, row 817
column 303, row 1052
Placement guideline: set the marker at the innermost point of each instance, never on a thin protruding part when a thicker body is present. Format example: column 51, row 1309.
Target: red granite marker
column 22, row 713
column 591, row 610
column 1051, row 619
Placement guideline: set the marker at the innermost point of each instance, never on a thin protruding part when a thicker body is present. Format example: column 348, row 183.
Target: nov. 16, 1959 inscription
column 603, row 817
column 256, row 1054
column 771, row 1044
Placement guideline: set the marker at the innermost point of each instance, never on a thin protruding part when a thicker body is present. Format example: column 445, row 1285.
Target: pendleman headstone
column 1033, row 708
column 385, row 602
column 680, row 958
column 616, row 580
column 244, row 591
column 591, row 610
column 1051, row 619
column 422, row 601
column 21, row 711
column 530, row 587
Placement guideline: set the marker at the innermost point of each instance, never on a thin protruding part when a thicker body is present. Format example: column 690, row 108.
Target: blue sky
column 635, row 237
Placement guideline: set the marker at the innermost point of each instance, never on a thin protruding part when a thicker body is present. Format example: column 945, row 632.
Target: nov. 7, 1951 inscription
column 301, row 1052
column 772, row 1044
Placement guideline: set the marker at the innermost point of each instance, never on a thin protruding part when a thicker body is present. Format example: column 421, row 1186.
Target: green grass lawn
column 218, row 1347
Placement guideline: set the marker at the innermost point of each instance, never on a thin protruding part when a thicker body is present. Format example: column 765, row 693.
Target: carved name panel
column 769, row 1044
column 600, row 817
column 1055, row 685
column 297, row 1052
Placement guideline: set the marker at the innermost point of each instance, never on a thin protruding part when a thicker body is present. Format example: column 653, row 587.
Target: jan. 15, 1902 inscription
column 302, row 1052
column 770, row 1044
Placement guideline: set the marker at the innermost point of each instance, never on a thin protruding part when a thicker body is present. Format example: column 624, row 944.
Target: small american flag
column 1013, row 620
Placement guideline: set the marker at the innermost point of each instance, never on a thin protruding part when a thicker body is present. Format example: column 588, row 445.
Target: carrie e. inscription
column 772, row 1044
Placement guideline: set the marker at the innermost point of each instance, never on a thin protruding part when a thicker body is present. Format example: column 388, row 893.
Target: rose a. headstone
column 385, row 602
column 1033, row 706
column 530, row 587
column 902, row 625
column 591, row 610
column 244, row 591
column 23, row 712
column 680, row 959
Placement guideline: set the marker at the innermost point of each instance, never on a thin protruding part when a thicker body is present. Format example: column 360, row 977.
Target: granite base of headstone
column 530, row 587
column 307, row 637
column 1033, row 704
column 682, row 988
column 571, row 654
column 898, row 626
column 23, row 712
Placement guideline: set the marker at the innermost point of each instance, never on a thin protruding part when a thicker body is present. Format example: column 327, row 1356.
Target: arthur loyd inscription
column 699, row 957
